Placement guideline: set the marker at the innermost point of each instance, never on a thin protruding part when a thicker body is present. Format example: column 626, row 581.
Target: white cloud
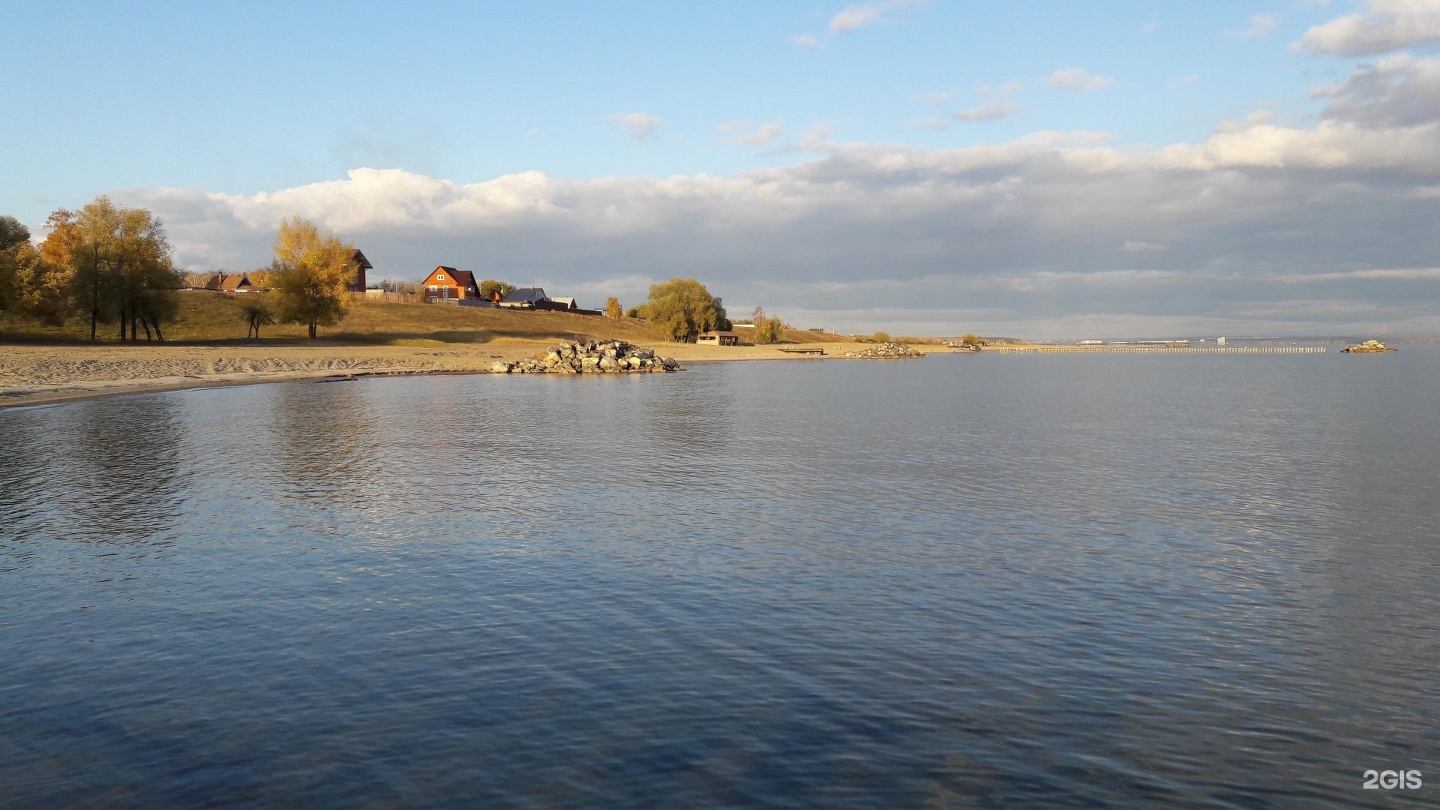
column 864, row 14
column 1378, row 274
column 1078, row 80
column 641, row 125
column 1261, row 26
column 1399, row 90
column 763, row 134
column 993, row 111
column 1037, row 234
column 1383, row 26
column 805, row 41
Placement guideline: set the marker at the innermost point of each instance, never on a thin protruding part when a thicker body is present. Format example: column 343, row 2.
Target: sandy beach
column 44, row 374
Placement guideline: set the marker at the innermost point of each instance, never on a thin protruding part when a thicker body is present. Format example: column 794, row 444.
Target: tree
column 255, row 311
column 972, row 340
column 12, row 236
column 312, row 274
column 612, row 307
column 767, row 330
column 682, row 308
column 120, row 263
column 490, row 286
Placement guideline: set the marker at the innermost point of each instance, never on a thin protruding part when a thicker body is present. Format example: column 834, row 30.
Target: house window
column 434, row 288
column 439, row 276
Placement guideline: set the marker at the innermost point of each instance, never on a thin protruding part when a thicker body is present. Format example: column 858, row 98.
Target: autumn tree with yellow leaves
column 311, row 273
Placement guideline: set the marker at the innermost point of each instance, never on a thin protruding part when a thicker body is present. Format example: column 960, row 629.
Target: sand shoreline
column 33, row 375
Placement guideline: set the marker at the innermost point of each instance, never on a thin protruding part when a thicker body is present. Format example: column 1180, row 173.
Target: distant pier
column 1162, row 349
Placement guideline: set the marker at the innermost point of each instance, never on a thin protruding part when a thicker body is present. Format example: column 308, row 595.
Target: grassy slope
column 207, row 317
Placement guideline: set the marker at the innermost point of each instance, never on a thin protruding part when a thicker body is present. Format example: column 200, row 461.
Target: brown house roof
column 465, row 278
column 362, row 262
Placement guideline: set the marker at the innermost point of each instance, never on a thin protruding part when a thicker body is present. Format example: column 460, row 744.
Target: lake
column 988, row 580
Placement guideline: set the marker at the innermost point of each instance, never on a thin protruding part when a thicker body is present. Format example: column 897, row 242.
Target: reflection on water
column 993, row 581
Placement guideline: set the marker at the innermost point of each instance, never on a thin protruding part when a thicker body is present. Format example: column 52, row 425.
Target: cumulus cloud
column 1399, row 91
column 1383, row 26
column 863, row 14
column 1053, row 234
column 641, row 125
column 1078, row 80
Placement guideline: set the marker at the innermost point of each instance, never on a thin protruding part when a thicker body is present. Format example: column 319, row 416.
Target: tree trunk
column 312, row 330
column 94, row 318
column 145, row 322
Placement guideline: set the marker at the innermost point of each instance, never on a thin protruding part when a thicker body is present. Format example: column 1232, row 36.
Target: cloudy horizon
column 1027, row 205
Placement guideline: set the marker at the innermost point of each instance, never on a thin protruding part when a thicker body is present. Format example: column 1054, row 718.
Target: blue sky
column 1051, row 169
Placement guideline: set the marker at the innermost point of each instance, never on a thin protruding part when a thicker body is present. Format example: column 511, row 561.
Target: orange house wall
column 458, row 291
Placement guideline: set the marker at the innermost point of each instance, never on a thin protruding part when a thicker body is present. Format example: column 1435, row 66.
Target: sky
column 1049, row 170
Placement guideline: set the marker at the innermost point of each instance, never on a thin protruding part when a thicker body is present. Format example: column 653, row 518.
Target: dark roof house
column 525, row 298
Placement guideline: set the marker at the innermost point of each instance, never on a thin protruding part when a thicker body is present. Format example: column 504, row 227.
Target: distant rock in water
column 590, row 357
column 886, row 351
column 1368, row 347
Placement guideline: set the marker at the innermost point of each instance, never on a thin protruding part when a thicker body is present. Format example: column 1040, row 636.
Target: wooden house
column 357, row 284
column 447, row 283
column 235, row 283
column 719, row 338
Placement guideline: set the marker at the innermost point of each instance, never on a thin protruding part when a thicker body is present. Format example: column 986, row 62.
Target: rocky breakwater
column 586, row 357
column 886, row 351
column 1368, row 347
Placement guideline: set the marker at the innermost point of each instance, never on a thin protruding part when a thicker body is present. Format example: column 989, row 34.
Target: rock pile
column 1368, row 347
column 886, row 351
column 590, row 357
column 960, row 346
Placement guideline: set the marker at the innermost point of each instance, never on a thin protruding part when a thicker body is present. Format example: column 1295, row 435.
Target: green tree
column 13, row 237
column 681, row 308
column 311, row 273
column 256, row 312
column 490, row 286
column 612, row 307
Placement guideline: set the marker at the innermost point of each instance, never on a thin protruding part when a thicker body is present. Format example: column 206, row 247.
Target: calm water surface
column 995, row 581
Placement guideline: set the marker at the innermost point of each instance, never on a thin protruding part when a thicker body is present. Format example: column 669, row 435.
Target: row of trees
column 106, row 263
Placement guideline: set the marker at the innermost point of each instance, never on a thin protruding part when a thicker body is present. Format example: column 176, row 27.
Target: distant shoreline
column 48, row 374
